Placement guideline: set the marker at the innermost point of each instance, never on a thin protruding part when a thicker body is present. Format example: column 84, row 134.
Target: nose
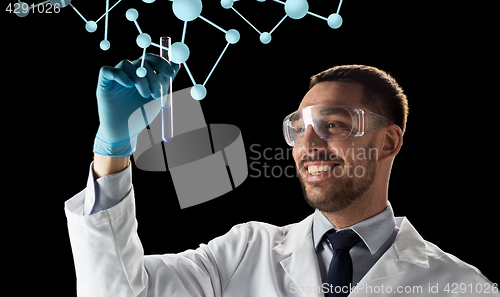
column 312, row 142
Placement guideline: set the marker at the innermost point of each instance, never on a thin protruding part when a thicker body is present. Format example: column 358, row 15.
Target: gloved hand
column 120, row 93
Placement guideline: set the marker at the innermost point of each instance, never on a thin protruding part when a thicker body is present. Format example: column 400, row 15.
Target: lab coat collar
column 408, row 246
column 297, row 256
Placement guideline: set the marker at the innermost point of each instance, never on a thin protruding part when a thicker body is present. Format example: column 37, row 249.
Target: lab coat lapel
column 385, row 267
column 299, row 258
column 408, row 246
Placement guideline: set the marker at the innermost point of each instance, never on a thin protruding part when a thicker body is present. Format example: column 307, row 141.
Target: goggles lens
column 330, row 122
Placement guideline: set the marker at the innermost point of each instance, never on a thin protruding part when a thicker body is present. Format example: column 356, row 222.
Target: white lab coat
column 253, row 259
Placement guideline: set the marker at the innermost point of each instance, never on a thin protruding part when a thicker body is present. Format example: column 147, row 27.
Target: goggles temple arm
column 361, row 122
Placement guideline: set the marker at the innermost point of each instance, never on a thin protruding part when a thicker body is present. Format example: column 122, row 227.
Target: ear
column 391, row 143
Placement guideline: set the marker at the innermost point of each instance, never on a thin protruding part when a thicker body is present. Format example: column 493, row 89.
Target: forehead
column 334, row 93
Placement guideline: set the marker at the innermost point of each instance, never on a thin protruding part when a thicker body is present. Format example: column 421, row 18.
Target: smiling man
column 354, row 188
column 345, row 135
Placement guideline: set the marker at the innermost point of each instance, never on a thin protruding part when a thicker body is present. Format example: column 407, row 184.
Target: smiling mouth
column 320, row 168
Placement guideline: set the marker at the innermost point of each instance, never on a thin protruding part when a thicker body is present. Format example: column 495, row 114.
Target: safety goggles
column 331, row 123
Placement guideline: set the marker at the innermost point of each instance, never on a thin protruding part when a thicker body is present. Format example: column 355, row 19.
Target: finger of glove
column 153, row 81
column 162, row 66
column 109, row 74
column 140, row 83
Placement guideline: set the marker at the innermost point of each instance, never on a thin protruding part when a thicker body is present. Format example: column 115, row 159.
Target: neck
column 358, row 211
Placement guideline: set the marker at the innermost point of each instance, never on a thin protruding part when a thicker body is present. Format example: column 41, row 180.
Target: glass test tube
column 166, row 95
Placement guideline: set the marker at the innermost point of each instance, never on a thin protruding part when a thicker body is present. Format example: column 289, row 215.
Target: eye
column 335, row 124
column 336, row 127
column 296, row 126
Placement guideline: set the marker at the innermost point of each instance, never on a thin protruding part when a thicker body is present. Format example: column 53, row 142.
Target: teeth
column 316, row 170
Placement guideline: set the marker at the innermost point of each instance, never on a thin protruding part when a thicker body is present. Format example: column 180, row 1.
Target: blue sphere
column 105, row 45
column 141, row 72
column 180, row 52
column 19, row 12
column 296, row 9
column 198, row 92
column 335, row 21
column 227, row 3
column 232, row 36
column 187, row 10
column 265, row 38
column 132, row 14
column 143, row 40
column 91, row 26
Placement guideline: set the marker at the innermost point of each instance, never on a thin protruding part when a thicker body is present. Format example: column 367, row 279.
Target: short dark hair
column 381, row 93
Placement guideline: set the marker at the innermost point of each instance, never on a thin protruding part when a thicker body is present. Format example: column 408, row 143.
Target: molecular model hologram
column 189, row 10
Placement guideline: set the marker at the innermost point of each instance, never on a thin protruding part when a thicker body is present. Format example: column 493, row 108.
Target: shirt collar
column 373, row 231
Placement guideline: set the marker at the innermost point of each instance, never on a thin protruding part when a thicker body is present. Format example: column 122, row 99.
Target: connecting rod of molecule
column 294, row 9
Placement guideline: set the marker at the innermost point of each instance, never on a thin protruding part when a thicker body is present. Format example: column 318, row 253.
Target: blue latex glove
column 120, row 92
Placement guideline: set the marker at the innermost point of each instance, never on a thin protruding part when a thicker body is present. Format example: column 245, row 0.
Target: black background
column 443, row 179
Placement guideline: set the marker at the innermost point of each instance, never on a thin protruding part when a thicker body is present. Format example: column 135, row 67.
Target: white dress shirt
column 108, row 191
